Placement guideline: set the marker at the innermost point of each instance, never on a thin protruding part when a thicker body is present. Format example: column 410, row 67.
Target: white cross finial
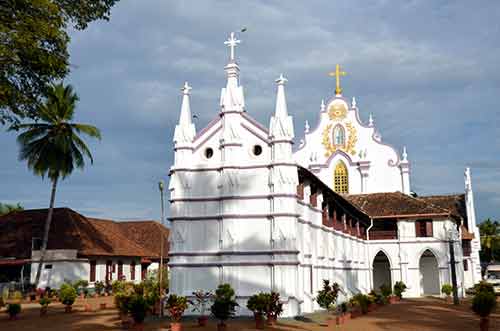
column 323, row 106
column 281, row 80
column 231, row 43
column 405, row 154
column 186, row 88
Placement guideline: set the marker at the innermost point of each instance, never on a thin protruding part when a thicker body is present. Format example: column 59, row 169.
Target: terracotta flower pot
column 221, row 326
column 484, row 324
column 139, row 326
column 88, row 307
column 68, row 309
column 347, row 316
column 43, row 311
column 102, row 305
column 259, row 321
column 392, row 299
column 271, row 320
column 202, row 320
column 339, row 320
column 175, row 326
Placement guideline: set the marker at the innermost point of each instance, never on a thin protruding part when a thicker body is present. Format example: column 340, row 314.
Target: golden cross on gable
column 337, row 73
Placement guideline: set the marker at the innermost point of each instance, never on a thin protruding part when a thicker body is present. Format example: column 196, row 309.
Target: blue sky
column 427, row 70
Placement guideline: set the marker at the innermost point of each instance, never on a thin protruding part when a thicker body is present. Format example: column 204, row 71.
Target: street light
column 161, row 186
column 452, row 237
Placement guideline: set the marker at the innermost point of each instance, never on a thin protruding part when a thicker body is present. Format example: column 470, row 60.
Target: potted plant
column 176, row 305
column 274, row 308
column 224, row 305
column 483, row 303
column 138, row 307
column 447, row 289
column 355, row 307
column 67, row 295
column 257, row 303
column 386, row 291
column 44, row 303
column 13, row 309
column 399, row 288
column 344, row 311
column 201, row 300
column 327, row 297
column 81, row 286
column 362, row 301
column 122, row 303
column 99, row 288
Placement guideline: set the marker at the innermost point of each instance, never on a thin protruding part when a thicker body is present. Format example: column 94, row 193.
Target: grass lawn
column 414, row 314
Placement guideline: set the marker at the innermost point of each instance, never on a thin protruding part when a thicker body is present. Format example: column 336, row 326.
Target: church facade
column 250, row 208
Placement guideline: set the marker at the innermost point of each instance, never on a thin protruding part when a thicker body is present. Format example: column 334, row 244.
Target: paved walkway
column 418, row 314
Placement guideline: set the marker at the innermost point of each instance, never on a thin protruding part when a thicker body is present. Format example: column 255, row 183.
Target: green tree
column 6, row 208
column 52, row 147
column 34, row 49
column 490, row 240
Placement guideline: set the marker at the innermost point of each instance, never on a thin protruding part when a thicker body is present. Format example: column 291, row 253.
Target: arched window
column 341, row 178
column 338, row 136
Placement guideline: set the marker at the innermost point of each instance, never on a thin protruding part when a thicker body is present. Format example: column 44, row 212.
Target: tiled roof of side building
column 455, row 203
column 71, row 230
column 395, row 205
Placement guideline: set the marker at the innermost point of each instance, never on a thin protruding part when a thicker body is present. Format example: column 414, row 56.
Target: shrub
column 17, row 295
column 446, row 289
column 362, row 301
column 201, row 300
column 67, row 294
column 13, row 309
column 118, row 286
column 399, row 288
column 274, row 306
column 99, row 287
column 343, row 307
column 44, row 302
column 224, row 303
column 258, row 303
column 385, row 290
column 138, row 306
column 327, row 296
column 122, row 302
column 483, row 303
column 377, row 298
column 81, row 286
column 483, row 286
column 176, row 305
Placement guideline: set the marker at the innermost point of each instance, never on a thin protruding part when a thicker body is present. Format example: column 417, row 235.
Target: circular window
column 209, row 152
column 257, row 150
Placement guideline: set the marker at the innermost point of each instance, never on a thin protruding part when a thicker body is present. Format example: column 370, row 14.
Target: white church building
column 254, row 207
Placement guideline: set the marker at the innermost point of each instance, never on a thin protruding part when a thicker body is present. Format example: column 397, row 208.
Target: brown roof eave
column 412, row 216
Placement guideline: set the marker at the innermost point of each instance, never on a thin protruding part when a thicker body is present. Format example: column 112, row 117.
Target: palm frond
column 89, row 130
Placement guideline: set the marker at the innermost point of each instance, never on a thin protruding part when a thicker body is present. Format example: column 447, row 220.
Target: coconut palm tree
column 52, row 146
column 490, row 238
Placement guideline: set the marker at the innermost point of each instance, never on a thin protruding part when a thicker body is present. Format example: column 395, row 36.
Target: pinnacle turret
column 281, row 126
column 185, row 130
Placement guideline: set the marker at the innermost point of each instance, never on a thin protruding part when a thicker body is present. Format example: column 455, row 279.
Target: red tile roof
column 395, row 205
column 71, row 230
column 455, row 203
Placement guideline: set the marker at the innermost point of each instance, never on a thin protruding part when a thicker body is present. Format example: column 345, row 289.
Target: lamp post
column 453, row 235
column 161, row 186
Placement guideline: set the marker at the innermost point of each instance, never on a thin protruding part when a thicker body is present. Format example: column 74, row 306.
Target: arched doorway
column 429, row 274
column 381, row 271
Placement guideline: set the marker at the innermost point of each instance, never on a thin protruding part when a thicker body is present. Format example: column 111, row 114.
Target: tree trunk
column 46, row 231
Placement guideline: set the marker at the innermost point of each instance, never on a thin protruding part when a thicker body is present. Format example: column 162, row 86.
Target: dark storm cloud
column 428, row 71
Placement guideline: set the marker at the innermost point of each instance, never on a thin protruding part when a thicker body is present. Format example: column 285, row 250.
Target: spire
column 281, row 109
column 323, row 106
column 370, row 120
column 232, row 98
column 185, row 118
column 306, row 127
column 468, row 180
column 404, row 155
column 353, row 103
column 281, row 126
column 185, row 130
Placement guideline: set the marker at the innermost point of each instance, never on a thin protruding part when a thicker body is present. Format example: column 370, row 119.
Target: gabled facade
column 249, row 210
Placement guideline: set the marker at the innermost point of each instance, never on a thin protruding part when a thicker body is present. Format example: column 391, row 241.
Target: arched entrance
column 429, row 274
column 381, row 271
